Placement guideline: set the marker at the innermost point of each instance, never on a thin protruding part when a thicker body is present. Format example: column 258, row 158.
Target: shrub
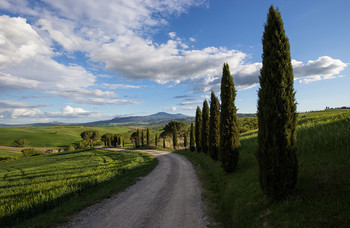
column 31, row 152
column 21, row 142
column 69, row 148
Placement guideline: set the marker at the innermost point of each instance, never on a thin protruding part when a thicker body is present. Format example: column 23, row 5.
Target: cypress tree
column 174, row 137
column 276, row 154
column 156, row 139
column 205, row 127
column 214, row 127
column 147, row 137
column 142, row 138
column 229, row 130
column 164, row 142
column 192, row 138
column 185, row 141
column 138, row 139
column 198, row 129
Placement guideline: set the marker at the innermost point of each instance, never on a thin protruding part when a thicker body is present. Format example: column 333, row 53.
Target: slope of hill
column 158, row 118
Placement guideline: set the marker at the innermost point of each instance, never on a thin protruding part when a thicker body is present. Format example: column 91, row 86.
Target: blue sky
column 87, row 60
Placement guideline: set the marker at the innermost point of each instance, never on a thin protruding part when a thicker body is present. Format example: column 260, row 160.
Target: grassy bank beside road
column 322, row 196
column 40, row 191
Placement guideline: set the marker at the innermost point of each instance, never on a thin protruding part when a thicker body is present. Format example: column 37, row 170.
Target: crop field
column 30, row 186
column 52, row 136
column 322, row 195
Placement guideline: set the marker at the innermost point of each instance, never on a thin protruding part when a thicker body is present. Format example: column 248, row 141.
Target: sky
column 86, row 60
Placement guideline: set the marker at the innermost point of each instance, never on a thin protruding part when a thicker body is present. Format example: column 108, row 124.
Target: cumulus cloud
column 25, row 112
column 26, row 60
column 324, row 67
column 18, row 41
column 246, row 76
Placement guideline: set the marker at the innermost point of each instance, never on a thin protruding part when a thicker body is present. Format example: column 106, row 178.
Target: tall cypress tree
column 205, row 127
column 142, row 138
column 277, row 159
column 156, row 139
column 185, row 141
column 163, row 141
column 229, row 130
column 192, row 138
column 147, row 137
column 174, row 137
column 198, row 129
column 138, row 139
column 214, row 127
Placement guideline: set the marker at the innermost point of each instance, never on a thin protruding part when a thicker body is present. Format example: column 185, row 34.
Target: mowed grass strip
column 34, row 185
column 321, row 198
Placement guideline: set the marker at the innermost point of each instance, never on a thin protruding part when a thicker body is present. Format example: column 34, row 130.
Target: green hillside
column 322, row 193
column 52, row 136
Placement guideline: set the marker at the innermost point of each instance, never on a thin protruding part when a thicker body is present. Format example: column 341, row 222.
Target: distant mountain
column 158, row 118
column 154, row 119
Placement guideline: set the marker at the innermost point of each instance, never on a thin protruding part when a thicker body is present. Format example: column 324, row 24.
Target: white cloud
column 172, row 35
column 8, row 82
column 324, row 67
column 26, row 60
column 25, row 112
column 105, row 101
column 119, row 86
column 70, row 111
column 18, row 41
column 83, row 93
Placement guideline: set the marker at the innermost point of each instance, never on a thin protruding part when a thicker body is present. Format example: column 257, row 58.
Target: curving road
column 170, row 196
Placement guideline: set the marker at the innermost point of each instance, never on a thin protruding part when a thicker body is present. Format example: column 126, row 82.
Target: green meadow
column 53, row 136
column 46, row 188
column 322, row 196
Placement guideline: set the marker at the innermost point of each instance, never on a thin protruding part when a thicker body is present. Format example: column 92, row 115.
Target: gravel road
column 170, row 196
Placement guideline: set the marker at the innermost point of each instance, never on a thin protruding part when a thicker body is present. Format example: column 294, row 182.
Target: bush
column 69, row 148
column 31, row 152
column 21, row 142
column 82, row 144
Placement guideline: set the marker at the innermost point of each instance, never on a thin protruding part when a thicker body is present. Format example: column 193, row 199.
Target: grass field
column 52, row 136
column 66, row 181
column 322, row 196
column 6, row 155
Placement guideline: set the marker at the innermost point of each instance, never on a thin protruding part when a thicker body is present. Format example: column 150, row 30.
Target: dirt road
column 170, row 196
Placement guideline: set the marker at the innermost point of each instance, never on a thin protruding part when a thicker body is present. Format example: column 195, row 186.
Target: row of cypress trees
column 139, row 139
column 218, row 133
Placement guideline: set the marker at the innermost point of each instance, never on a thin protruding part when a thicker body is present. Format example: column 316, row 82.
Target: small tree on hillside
column 192, row 147
column 164, row 142
column 277, row 118
column 175, row 137
column 198, row 129
column 205, row 127
column 229, row 130
column 214, row 127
